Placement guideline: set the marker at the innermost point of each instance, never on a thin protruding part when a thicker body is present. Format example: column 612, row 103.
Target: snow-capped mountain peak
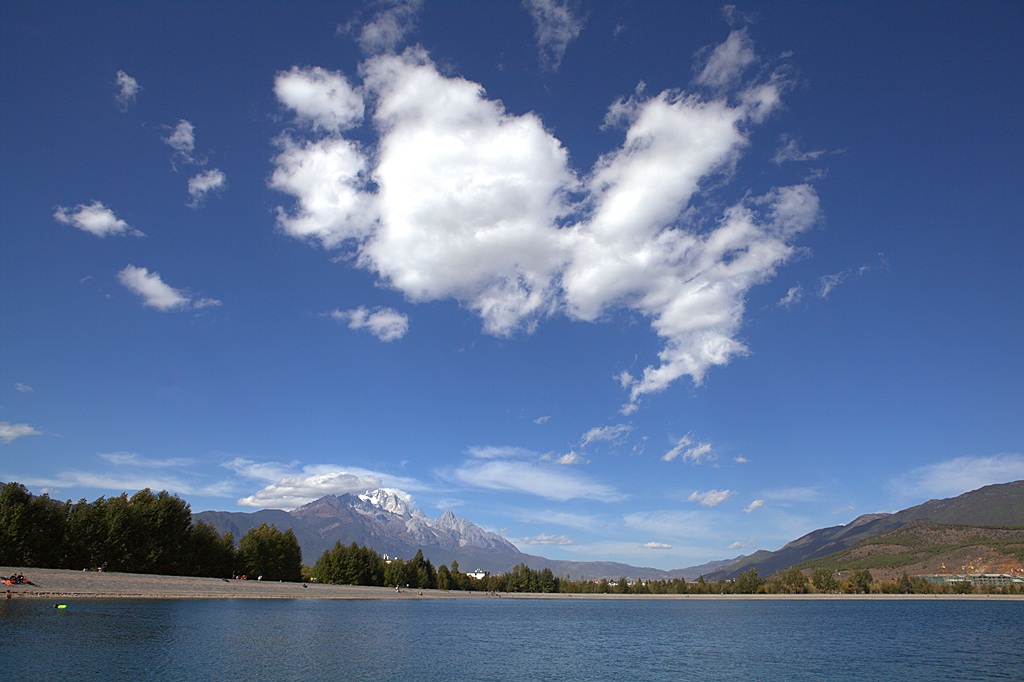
column 389, row 500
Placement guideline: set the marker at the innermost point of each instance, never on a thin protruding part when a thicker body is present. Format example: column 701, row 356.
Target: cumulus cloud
column 155, row 293
column 710, row 498
column 10, row 432
column 96, row 219
column 457, row 198
column 545, row 539
column 614, row 433
column 690, row 452
column 656, row 545
column 203, row 183
column 127, row 90
column 954, row 477
column 756, row 504
column 556, row 24
column 389, row 27
column 387, row 324
column 323, row 99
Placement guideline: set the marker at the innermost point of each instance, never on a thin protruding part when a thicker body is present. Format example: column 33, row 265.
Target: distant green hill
column 994, row 505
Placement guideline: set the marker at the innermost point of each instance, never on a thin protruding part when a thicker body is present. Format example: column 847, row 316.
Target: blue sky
column 657, row 282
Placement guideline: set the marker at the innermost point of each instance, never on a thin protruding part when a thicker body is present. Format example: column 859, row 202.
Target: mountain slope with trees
column 995, row 505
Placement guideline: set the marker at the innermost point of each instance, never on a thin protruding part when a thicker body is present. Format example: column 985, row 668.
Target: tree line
column 154, row 533
column 145, row 533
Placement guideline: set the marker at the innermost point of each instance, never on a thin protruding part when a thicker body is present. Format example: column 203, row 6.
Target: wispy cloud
column 672, row 524
column 23, row 388
column 389, row 27
column 155, row 293
column 10, row 432
column 756, row 504
column 956, row 476
column 615, row 434
column 533, row 478
column 542, row 420
column 96, row 219
column 545, row 539
column 387, row 324
column 724, row 64
column 789, row 150
column 695, row 454
column 557, row 23
column 656, row 545
column 127, row 90
column 711, row 498
column 795, row 494
column 182, row 139
column 134, row 459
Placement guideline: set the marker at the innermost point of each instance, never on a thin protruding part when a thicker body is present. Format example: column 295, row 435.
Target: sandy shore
column 53, row 584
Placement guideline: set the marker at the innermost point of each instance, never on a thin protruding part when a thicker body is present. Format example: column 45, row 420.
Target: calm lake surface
column 510, row 639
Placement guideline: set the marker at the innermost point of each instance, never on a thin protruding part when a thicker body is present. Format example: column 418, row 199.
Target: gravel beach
column 55, row 584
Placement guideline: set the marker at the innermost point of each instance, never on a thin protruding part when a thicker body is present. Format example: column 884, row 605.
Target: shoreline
column 64, row 584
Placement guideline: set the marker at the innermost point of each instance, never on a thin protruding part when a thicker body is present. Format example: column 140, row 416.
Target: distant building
column 975, row 579
column 478, row 574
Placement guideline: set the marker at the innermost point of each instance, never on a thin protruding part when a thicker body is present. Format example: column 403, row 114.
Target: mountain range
column 384, row 521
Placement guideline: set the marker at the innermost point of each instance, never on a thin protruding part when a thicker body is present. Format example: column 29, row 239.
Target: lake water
column 511, row 639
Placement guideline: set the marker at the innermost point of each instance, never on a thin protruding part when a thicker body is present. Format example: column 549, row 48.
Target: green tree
column 209, row 553
column 824, row 580
column 265, row 551
column 748, row 583
column 859, row 582
column 793, row 581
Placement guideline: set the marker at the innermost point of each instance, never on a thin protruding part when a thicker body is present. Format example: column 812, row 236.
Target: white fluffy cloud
column 710, row 498
column 205, row 182
column 756, row 504
column 96, row 219
column 656, row 545
column 127, row 90
column 457, row 198
column 387, row 324
column 323, row 99
column 10, row 432
column 557, row 24
column 155, row 293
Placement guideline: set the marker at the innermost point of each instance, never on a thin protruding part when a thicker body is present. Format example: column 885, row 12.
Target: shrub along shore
column 64, row 585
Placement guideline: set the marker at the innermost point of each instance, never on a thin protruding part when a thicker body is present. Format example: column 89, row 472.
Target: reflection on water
column 501, row 639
